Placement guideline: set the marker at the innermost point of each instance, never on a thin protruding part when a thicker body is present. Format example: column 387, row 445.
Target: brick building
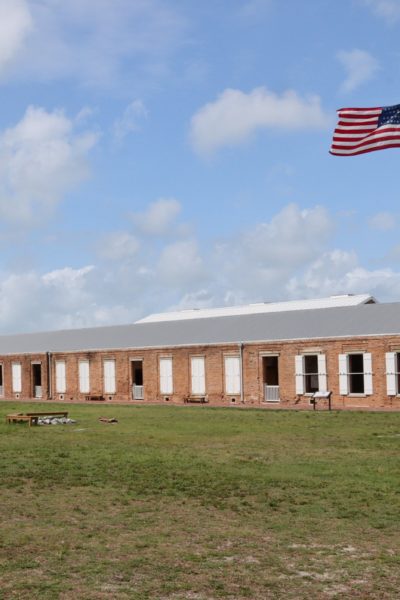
column 264, row 355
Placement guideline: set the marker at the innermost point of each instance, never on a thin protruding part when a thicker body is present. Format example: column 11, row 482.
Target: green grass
column 199, row 503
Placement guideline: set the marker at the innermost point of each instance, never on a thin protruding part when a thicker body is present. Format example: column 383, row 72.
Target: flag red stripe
column 380, row 131
column 365, row 151
column 349, row 130
column 357, row 118
column 383, row 129
column 377, row 142
column 360, row 110
column 361, row 115
column 357, row 125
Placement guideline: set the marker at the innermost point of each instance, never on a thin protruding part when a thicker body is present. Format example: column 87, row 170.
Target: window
column 60, row 377
column 109, row 376
column 16, row 372
column 232, row 374
column 355, row 373
column 310, row 373
column 198, row 375
column 1, row 380
column 84, row 377
column 166, row 380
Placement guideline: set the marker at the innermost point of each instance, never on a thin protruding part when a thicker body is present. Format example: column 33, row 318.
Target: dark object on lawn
column 106, row 420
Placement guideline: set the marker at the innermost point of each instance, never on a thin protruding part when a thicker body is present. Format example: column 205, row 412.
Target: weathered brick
column 253, row 393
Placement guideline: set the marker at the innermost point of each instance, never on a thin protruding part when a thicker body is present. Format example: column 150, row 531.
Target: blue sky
column 163, row 154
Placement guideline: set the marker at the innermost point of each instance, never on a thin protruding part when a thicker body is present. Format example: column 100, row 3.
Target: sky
column 169, row 154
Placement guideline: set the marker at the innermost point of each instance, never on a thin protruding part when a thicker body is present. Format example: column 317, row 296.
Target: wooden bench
column 18, row 418
column 94, row 398
column 196, row 400
column 33, row 418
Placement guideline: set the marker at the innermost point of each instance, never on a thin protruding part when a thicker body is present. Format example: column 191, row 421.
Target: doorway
column 37, row 380
column 271, row 378
column 137, row 379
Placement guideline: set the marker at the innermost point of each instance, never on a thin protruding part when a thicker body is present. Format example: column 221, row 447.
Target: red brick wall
column 215, row 377
column 26, row 368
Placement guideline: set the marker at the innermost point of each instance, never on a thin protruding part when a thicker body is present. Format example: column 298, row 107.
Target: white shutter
column 322, row 379
column 368, row 373
column 16, row 372
column 109, row 376
column 391, row 373
column 343, row 377
column 298, row 361
column 198, row 375
column 84, row 377
column 166, row 380
column 232, row 374
column 60, row 377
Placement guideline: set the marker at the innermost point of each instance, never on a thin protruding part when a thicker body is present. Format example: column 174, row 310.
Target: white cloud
column 129, row 122
column 290, row 238
column 67, row 276
column 201, row 298
column 159, row 218
column 389, row 10
column 99, row 42
column 119, row 245
column 383, row 221
column 339, row 272
column 288, row 256
column 323, row 276
column 41, row 158
column 256, row 264
column 360, row 67
column 53, row 300
column 180, row 265
column 15, row 25
column 68, row 297
column 234, row 116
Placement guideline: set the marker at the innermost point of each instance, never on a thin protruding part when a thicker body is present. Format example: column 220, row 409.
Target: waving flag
column 362, row 130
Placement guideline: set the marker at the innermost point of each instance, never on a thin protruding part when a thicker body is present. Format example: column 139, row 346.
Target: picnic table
column 33, row 417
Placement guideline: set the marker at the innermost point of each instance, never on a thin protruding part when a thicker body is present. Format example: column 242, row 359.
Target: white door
column 16, row 372
column 166, row 380
column 60, row 377
column 198, row 375
column 232, row 374
column 109, row 376
column 84, row 377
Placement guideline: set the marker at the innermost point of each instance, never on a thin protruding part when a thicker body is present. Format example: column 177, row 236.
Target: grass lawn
column 199, row 503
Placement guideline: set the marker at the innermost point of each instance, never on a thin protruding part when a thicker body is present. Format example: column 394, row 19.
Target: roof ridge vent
column 341, row 296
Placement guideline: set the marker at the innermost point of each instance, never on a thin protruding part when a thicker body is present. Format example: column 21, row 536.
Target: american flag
column 362, row 130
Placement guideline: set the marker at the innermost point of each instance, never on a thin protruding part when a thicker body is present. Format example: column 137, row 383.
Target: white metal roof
column 261, row 308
